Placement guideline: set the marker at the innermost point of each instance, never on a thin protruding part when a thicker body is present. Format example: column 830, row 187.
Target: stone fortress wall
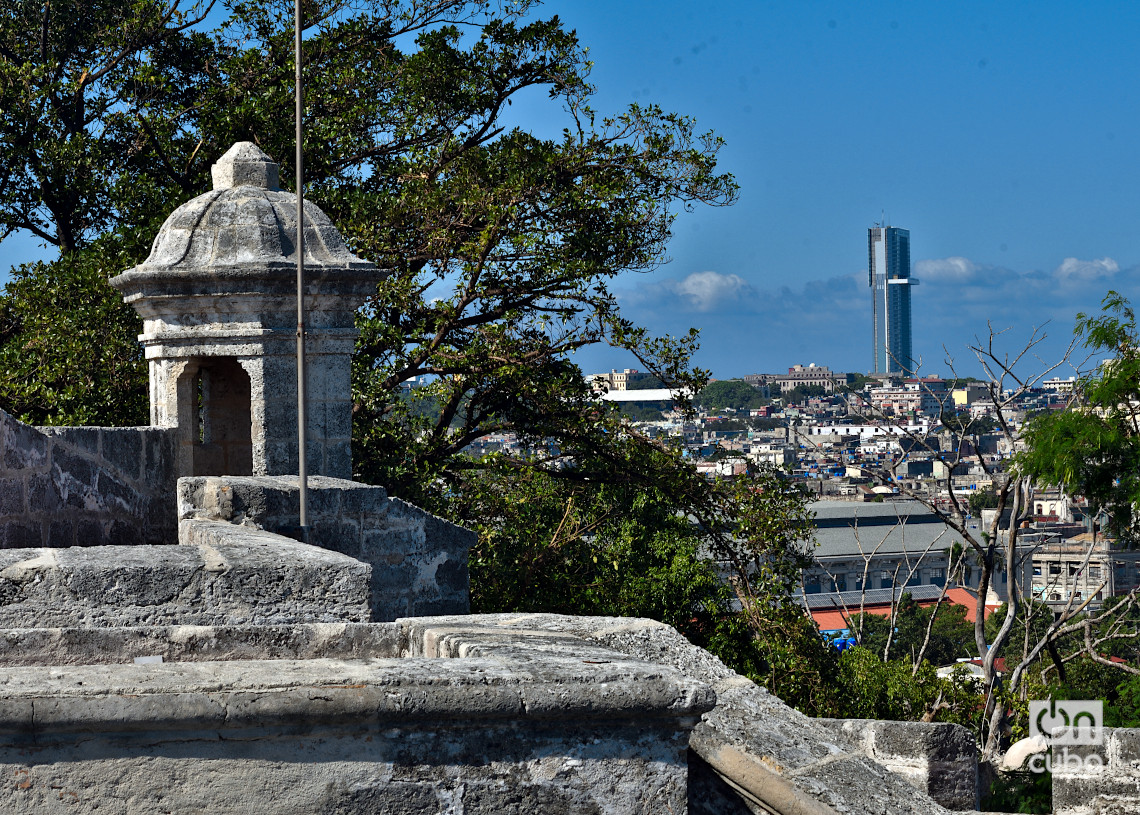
column 85, row 486
column 418, row 561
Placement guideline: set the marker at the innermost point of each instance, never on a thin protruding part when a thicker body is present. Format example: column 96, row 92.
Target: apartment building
column 877, row 546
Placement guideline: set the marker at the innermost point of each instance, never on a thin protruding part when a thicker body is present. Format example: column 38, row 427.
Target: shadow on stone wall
column 85, row 486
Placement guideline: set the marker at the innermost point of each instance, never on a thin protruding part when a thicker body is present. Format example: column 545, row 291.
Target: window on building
column 937, row 577
column 1054, row 568
column 1036, row 569
column 1094, row 572
column 1074, row 569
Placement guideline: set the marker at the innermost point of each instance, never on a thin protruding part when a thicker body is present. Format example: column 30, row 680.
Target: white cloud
column 699, row 291
column 748, row 327
column 1076, row 270
column 705, row 291
column 949, row 270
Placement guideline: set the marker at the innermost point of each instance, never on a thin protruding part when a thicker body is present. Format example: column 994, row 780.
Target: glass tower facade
column 888, row 274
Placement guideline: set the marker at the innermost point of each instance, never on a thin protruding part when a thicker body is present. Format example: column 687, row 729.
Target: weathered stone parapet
column 419, row 561
column 939, row 758
column 241, row 576
column 749, row 755
column 200, row 643
column 563, row 733
column 85, row 486
column 1098, row 780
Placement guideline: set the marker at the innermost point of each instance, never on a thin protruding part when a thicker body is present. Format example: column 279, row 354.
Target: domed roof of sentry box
column 246, row 223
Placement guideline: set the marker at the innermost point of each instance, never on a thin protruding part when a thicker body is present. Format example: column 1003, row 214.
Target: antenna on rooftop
column 302, row 463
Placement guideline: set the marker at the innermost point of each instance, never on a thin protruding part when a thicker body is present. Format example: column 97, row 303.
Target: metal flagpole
column 302, row 463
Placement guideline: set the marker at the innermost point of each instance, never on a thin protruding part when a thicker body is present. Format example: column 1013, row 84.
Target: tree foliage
column 1093, row 448
column 801, row 393
column 729, row 393
column 68, row 350
column 499, row 243
column 83, row 86
column 951, row 634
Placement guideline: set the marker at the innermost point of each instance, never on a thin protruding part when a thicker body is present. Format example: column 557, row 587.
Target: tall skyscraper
column 888, row 273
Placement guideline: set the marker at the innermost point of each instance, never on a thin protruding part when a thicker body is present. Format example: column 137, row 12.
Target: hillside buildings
column 888, row 274
column 615, row 380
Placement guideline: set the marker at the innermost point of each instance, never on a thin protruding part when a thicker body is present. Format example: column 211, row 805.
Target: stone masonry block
column 938, row 758
column 117, row 496
column 416, row 559
column 274, row 500
column 1099, row 780
column 338, row 536
column 81, row 438
column 338, row 458
column 20, row 534
column 12, row 496
column 123, row 534
column 363, row 499
column 61, row 533
column 338, row 420
column 394, row 540
column 123, row 448
column 182, row 643
column 73, row 469
column 25, row 447
column 159, row 461
column 43, row 494
column 221, row 577
column 90, row 532
column 1124, row 743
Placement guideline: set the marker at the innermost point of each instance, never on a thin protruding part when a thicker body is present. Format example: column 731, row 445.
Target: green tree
column 728, row 393
column 982, row 499
column 950, row 634
column 86, row 90
column 641, row 382
column 585, row 547
column 67, row 351
column 801, row 393
column 500, row 244
column 1093, row 448
column 877, row 689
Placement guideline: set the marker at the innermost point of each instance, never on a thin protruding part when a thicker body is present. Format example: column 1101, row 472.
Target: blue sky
column 1001, row 134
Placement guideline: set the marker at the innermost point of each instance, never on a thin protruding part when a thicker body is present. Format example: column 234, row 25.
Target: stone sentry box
column 218, row 300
